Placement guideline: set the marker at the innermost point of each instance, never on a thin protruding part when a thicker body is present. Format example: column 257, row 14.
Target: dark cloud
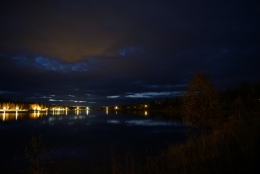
column 98, row 51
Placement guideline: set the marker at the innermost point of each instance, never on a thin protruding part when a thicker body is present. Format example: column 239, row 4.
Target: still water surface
column 89, row 136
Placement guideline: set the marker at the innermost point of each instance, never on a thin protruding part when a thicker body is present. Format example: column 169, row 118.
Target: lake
column 86, row 136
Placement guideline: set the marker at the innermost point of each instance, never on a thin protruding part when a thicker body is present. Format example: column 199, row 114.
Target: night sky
column 100, row 52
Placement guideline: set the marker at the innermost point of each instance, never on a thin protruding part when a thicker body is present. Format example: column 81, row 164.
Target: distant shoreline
column 10, row 111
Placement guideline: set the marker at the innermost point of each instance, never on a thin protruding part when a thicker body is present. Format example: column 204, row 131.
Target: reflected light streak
column 58, row 111
column 106, row 110
column 87, row 112
column 145, row 113
column 4, row 116
column 16, row 115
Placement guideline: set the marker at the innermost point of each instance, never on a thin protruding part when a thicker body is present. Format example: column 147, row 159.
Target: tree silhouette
column 201, row 103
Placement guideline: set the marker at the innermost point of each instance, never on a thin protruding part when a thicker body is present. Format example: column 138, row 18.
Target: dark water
column 89, row 136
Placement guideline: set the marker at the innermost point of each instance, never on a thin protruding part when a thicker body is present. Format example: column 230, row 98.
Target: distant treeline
column 247, row 95
column 20, row 105
column 7, row 104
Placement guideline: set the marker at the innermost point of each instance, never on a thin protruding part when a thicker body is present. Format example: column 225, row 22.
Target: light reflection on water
column 53, row 117
column 57, row 116
column 15, row 116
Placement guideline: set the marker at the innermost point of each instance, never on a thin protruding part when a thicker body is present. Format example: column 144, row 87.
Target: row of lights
column 116, row 107
column 17, row 109
column 39, row 109
column 87, row 108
